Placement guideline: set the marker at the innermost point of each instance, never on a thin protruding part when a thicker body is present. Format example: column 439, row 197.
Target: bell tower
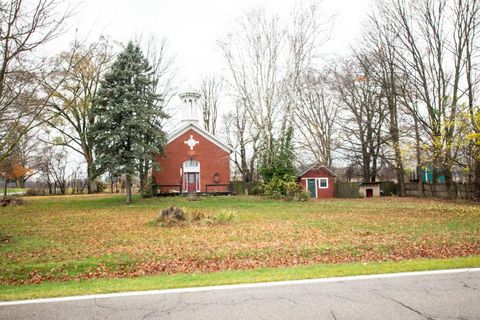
column 189, row 100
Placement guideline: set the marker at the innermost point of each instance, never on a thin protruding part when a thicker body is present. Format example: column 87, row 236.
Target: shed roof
column 369, row 183
column 300, row 171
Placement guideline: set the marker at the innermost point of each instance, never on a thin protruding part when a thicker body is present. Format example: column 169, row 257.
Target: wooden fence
column 462, row 191
column 346, row 190
column 240, row 187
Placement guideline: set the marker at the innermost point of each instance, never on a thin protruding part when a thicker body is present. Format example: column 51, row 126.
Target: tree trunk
column 5, row 187
column 400, row 170
column 476, row 181
column 89, row 180
column 419, row 157
column 128, row 180
column 21, row 182
column 450, row 184
column 398, row 154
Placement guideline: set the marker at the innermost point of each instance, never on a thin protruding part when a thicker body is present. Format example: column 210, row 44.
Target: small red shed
column 318, row 180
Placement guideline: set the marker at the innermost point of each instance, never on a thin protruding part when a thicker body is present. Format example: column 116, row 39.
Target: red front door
column 369, row 193
column 192, row 181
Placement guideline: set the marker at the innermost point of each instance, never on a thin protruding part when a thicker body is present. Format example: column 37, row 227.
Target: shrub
column 170, row 216
column 10, row 201
column 302, row 196
column 31, row 192
column 223, row 217
column 174, row 216
column 196, row 215
column 284, row 187
column 101, row 186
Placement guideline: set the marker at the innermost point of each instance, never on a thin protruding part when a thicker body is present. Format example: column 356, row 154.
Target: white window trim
column 191, row 168
column 320, row 185
column 186, row 170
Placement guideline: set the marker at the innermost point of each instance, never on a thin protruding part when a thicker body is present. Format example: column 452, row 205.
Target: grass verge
column 95, row 286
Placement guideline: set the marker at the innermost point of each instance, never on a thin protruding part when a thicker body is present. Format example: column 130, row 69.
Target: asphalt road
column 449, row 295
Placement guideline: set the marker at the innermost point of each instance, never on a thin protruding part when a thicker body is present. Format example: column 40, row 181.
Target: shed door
column 312, row 187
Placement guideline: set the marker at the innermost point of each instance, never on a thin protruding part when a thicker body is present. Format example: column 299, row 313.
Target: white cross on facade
column 191, row 142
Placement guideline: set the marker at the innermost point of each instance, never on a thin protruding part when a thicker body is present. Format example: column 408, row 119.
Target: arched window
column 191, row 166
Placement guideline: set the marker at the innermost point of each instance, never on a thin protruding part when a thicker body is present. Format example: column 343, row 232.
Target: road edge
column 238, row 286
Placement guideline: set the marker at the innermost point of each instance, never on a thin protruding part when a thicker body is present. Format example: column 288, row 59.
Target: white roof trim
column 207, row 135
column 316, row 165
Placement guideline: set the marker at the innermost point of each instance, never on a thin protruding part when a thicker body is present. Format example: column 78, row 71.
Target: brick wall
column 213, row 160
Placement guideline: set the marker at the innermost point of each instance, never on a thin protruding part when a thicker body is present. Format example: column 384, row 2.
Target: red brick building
column 318, row 180
column 195, row 161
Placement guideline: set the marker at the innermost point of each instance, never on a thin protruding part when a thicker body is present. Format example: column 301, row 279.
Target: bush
column 170, row 216
column 302, row 196
column 174, row 216
column 284, row 187
column 10, row 201
column 101, row 186
column 196, row 215
column 31, row 192
column 223, row 217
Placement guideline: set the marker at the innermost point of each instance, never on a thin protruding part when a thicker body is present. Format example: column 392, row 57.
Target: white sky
column 192, row 27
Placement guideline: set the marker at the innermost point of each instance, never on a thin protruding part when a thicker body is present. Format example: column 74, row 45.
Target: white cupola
column 190, row 112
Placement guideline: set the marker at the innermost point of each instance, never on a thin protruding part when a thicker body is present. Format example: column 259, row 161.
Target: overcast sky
column 192, row 27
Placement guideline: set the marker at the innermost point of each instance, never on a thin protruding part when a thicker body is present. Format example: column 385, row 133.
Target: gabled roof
column 316, row 165
column 207, row 135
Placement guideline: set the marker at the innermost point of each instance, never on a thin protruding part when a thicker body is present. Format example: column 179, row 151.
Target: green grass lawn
column 186, row 280
column 90, row 238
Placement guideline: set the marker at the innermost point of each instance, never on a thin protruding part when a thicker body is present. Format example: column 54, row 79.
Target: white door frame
column 316, row 186
column 191, row 169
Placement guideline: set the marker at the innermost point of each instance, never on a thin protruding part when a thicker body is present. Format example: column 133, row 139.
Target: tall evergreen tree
column 127, row 128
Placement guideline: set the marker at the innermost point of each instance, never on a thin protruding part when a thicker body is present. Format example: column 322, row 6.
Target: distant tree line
column 106, row 108
column 407, row 95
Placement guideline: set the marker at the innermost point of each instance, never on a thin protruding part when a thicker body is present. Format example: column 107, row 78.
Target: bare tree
column 210, row 90
column 70, row 110
column 363, row 117
column 244, row 142
column 436, row 36
column 471, row 22
column 163, row 74
column 306, row 33
column 253, row 54
column 380, row 54
column 266, row 58
column 24, row 28
column 316, row 117
column 52, row 166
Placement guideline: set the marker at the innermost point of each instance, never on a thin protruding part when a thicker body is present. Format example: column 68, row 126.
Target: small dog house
column 369, row 189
